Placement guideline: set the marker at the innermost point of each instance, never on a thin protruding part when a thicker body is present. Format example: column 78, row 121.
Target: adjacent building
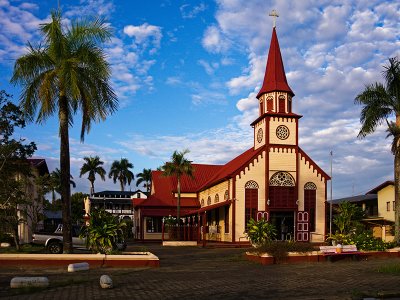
column 379, row 207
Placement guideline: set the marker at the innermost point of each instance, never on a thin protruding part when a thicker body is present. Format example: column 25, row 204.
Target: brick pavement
column 219, row 273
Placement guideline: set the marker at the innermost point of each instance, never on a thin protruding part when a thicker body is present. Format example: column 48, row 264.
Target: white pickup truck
column 54, row 241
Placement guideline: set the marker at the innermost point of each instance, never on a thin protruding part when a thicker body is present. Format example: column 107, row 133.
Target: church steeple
column 275, row 77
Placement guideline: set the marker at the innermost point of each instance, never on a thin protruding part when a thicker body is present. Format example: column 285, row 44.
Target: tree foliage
column 120, row 170
column 65, row 74
column 93, row 166
column 177, row 167
column 145, row 178
column 14, row 168
column 380, row 102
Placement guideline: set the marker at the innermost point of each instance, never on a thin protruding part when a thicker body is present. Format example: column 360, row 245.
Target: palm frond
column 377, row 106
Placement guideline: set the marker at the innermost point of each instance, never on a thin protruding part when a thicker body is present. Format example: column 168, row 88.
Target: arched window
column 310, row 202
column 282, row 191
column 270, row 104
column 282, row 179
column 261, row 108
column 209, row 200
column 251, row 184
column 282, row 104
column 216, row 198
column 202, row 202
column 226, row 195
column 310, row 186
column 251, row 200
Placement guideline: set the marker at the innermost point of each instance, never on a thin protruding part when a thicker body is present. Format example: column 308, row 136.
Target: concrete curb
column 145, row 259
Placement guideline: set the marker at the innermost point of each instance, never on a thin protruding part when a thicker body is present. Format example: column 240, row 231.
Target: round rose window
column 259, row 135
column 282, row 132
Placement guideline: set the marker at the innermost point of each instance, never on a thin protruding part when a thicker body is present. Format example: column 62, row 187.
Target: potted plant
column 260, row 232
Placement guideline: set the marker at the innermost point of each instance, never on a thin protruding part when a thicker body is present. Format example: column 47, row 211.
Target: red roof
column 232, row 166
column 165, row 187
column 274, row 78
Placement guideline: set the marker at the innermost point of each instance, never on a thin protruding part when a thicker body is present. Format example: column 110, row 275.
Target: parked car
column 54, row 241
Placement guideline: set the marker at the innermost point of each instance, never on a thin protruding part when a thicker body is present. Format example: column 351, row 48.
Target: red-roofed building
column 275, row 178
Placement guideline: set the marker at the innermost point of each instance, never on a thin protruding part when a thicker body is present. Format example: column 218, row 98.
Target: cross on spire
column 275, row 15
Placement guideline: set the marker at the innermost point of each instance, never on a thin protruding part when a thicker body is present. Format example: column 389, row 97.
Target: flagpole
column 330, row 206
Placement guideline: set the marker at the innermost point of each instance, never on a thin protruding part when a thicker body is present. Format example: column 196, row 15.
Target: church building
column 274, row 179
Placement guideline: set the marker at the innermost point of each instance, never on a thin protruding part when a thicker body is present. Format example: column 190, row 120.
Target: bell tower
column 275, row 101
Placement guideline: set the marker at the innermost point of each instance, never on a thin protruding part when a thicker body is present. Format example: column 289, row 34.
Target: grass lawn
column 26, row 248
column 390, row 269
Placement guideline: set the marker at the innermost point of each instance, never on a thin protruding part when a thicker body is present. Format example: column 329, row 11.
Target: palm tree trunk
column 91, row 188
column 178, row 207
column 397, row 191
column 65, row 175
column 122, row 185
column 396, row 198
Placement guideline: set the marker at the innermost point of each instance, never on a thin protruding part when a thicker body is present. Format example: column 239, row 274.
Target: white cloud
column 90, row 8
column 214, row 41
column 189, row 12
column 143, row 33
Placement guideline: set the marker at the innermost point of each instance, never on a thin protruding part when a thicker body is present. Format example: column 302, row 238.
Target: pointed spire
column 275, row 77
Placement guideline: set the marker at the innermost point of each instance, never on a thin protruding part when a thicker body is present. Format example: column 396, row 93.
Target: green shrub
column 259, row 232
column 280, row 249
column 365, row 241
column 103, row 232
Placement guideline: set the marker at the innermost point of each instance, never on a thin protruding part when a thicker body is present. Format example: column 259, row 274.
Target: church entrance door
column 284, row 224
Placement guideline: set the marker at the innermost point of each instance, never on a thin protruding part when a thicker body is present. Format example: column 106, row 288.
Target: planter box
column 315, row 256
column 128, row 260
column 179, row 243
column 293, row 257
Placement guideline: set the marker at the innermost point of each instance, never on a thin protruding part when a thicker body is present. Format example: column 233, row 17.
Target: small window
column 388, row 206
column 154, row 224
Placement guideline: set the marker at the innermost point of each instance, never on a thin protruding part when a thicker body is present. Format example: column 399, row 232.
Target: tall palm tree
column 120, row 170
column 66, row 73
column 178, row 166
column 55, row 178
column 93, row 166
column 144, row 176
column 379, row 102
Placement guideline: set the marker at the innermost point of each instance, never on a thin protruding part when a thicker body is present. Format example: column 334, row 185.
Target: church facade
column 274, row 179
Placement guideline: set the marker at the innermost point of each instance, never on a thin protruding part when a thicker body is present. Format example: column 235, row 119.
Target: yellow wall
column 309, row 174
column 282, row 160
column 290, row 123
column 386, row 195
column 220, row 190
column 259, row 125
column 256, row 172
column 186, row 195
column 212, row 191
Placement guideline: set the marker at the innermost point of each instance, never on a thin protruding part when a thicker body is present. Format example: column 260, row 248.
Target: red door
column 302, row 226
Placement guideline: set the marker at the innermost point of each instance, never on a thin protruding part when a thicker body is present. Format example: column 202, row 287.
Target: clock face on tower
column 282, row 132
column 259, row 135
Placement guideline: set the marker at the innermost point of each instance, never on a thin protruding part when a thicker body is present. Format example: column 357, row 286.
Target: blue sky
column 187, row 72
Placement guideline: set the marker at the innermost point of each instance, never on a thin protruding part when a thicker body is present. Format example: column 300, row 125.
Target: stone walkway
column 214, row 273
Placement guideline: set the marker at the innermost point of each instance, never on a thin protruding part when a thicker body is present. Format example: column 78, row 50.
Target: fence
column 185, row 232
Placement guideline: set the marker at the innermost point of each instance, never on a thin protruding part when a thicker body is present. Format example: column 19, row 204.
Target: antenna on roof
column 274, row 15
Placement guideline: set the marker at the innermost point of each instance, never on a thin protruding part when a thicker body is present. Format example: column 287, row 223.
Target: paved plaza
column 213, row 273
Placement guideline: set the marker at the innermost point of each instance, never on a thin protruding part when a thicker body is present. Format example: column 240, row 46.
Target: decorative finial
column 275, row 15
